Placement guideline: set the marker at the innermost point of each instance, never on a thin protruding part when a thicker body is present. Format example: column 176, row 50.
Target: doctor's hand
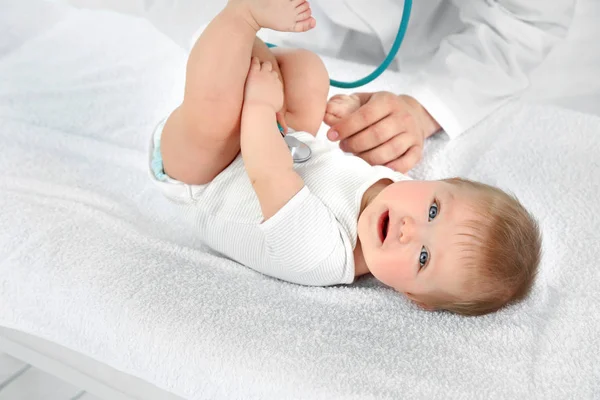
column 382, row 128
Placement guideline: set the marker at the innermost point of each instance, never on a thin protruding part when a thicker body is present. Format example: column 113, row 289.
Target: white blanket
column 91, row 256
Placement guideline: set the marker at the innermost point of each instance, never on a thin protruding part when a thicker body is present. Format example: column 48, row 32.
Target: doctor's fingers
column 375, row 135
column 407, row 161
column 389, row 151
column 359, row 120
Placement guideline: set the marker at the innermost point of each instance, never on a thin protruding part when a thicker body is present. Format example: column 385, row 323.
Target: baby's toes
column 340, row 105
column 330, row 119
column 353, row 102
column 334, row 112
column 303, row 12
column 338, row 98
column 305, row 25
column 335, row 108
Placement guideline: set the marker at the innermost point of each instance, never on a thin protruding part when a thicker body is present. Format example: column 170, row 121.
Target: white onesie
column 310, row 241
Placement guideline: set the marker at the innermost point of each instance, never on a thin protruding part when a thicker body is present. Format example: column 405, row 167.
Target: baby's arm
column 267, row 159
column 322, row 252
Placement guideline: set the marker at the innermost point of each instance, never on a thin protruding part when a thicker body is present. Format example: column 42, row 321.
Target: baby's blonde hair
column 501, row 255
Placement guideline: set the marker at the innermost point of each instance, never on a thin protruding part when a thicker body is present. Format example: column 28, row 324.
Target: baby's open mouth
column 384, row 222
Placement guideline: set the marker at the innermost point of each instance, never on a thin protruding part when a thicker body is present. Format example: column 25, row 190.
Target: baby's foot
column 339, row 107
column 280, row 15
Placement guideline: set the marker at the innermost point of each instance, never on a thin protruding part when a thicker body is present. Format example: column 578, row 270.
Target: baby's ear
column 425, row 306
column 419, row 303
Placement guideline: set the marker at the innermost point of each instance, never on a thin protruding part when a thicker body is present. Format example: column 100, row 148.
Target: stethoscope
column 300, row 151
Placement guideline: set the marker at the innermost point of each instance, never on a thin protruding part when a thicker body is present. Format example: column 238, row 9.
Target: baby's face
column 411, row 236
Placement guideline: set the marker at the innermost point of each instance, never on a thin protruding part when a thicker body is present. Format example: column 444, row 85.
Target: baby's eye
column 423, row 257
column 433, row 210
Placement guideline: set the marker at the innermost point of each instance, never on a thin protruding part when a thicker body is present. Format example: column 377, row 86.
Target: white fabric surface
column 90, row 259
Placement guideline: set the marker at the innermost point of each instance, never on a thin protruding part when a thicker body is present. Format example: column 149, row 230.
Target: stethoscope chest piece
column 300, row 150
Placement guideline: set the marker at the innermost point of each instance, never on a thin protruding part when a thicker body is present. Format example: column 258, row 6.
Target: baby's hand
column 263, row 86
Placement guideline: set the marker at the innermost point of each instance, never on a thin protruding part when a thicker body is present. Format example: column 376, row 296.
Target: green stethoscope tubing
column 387, row 61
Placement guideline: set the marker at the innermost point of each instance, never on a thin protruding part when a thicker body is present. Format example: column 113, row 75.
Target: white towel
column 91, row 256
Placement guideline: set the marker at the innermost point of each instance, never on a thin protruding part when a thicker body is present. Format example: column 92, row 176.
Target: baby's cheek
column 408, row 266
column 399, row 272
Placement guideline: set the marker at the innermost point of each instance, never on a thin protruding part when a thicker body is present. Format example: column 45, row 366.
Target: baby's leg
column 201, row 137
column 306, row 84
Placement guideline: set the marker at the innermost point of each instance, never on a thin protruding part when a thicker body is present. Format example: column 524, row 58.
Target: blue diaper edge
column 157, row 161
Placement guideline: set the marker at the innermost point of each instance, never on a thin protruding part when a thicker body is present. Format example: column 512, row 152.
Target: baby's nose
column 407, row 229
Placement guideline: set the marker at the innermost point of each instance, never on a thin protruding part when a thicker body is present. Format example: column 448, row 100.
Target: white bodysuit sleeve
column 307, row 245
column 475, row 71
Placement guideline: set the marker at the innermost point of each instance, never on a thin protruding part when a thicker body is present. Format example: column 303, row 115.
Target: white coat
column 466, row 57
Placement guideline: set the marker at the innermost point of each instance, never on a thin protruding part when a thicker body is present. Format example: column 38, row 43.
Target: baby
column 451, row 245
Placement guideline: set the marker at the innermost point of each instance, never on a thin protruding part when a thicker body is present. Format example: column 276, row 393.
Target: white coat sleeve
column 180, row 20
column 475, row 71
